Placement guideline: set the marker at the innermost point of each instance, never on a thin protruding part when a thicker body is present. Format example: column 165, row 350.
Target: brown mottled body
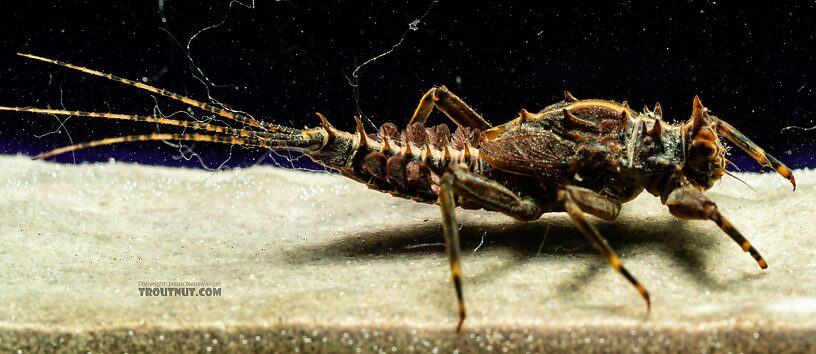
column 576, row 156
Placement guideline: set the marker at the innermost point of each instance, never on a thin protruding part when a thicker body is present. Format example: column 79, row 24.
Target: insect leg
column 452, row 106
column 690, row 204
column 450, row 230
column 492, row 195
column 578, row 200
column 487, row 193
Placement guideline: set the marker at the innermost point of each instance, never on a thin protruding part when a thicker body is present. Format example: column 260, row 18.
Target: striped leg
column 452, row 106
column 486, row 193
column 690, row 204
column 577, row 201
column 450, row 229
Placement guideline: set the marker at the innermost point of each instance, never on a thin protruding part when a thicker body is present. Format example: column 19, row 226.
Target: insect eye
column 704, row 148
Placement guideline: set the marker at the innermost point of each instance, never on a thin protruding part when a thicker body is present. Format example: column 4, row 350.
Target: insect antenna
column 242, row 118
column 246, row 141
column 151, row 119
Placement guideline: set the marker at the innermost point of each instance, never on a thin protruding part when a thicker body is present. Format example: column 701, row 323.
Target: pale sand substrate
column 314, row 262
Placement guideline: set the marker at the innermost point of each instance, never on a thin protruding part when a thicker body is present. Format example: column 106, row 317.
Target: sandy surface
column 313, row 262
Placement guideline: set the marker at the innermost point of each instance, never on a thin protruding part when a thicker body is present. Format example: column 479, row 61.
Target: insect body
column 575, row 156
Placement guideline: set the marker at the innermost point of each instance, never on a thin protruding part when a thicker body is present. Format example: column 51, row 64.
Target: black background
column 752, row 65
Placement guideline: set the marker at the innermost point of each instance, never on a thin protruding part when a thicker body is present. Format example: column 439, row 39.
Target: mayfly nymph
column 575, row 156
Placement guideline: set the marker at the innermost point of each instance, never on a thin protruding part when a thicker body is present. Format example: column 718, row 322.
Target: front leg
column 689, row 204
column 452, row 106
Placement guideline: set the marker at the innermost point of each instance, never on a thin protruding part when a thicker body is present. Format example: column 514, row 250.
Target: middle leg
column 577, row 201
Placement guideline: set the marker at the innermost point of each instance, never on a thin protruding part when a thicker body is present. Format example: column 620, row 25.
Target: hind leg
column 452, row 106
column 484, row 192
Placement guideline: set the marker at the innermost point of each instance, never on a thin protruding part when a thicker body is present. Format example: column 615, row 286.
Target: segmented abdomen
column 409, row 163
